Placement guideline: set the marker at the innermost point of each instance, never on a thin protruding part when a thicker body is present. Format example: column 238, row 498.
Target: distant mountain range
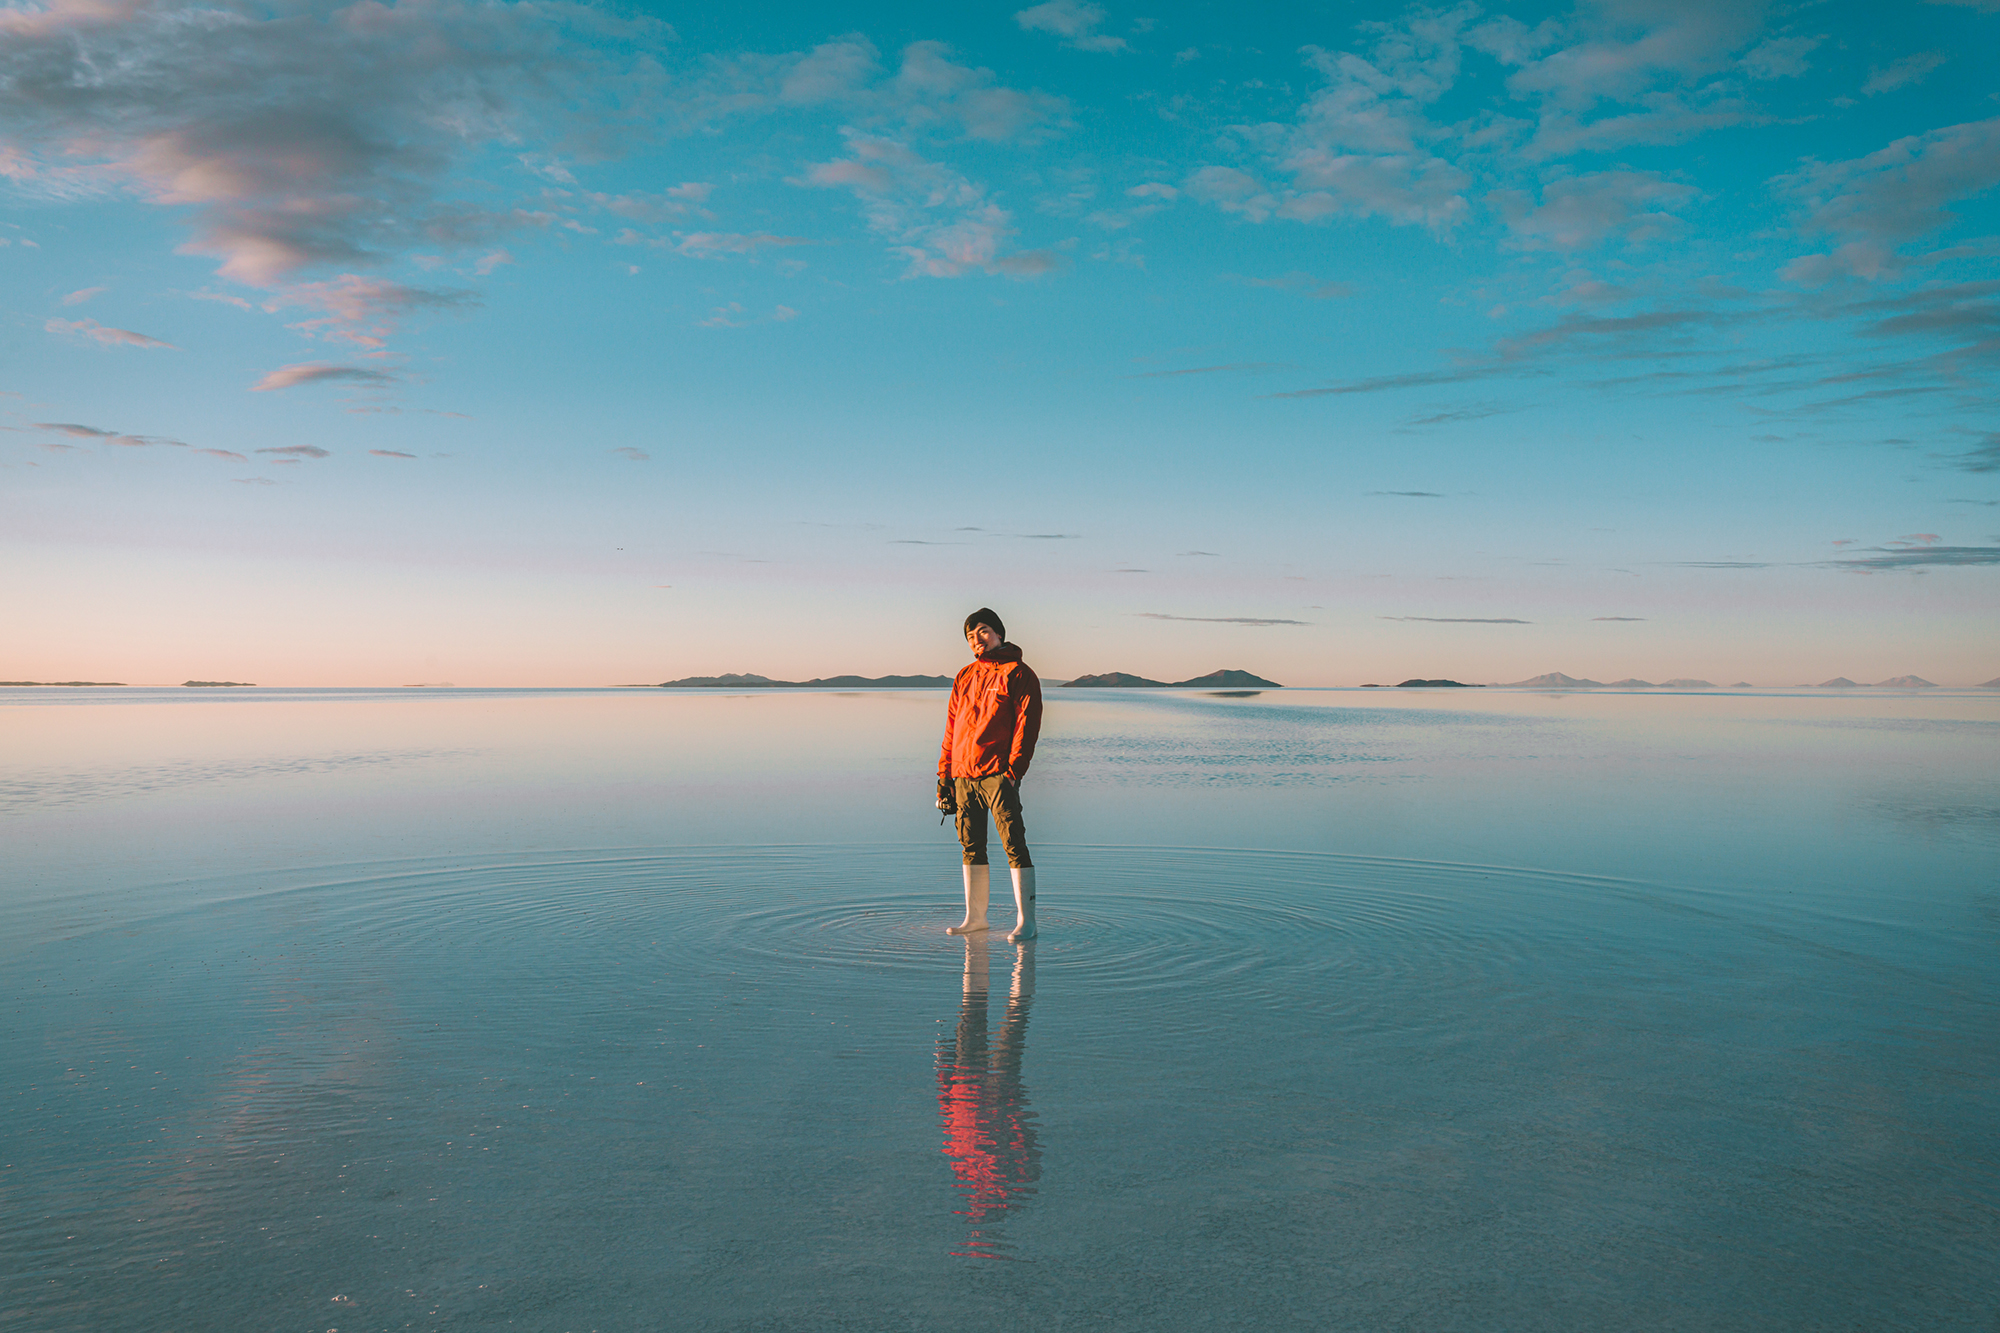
column 1556, row 680
column 1125, row 680
column 743, row 682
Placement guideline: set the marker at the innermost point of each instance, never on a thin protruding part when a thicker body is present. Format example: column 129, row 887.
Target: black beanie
column 984, row 616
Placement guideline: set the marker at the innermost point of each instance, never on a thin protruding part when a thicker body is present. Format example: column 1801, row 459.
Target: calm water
column 629, row 1010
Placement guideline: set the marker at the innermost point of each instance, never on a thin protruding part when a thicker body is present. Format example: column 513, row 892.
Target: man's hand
column 947, row 796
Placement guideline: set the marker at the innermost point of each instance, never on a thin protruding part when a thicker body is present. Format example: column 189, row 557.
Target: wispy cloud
column 390, row 453
column 1985, row 458
column 1917, row 558
column 1894, row 195
column 1075, row 21
column 632, row 455
column 1585, row 212
column 80, row 296
column 319, row 372
column 1901, row 73
column 1459, row 620
column 77, row 431
column 702, row 244
column 1627, row 618
column 942, row 222
column 296, row 451
column 1221, row 620
column 110, row 337
column 366, row 311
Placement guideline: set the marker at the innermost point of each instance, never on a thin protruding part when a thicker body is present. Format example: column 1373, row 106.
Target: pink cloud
column 90, row 328
column 316, row 372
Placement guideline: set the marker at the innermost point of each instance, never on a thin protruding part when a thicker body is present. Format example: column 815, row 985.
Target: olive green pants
column 975, row 797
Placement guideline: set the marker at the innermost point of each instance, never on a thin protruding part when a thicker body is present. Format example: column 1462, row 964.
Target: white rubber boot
column 1024, row 904
column 978, row 884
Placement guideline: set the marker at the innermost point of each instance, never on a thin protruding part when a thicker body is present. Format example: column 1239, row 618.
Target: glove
column 947, row 797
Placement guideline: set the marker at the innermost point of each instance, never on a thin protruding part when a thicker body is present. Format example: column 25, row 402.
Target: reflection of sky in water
column 1533, row 1011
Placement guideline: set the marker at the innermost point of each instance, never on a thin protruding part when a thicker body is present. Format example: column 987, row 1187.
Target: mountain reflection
column 989, row 1132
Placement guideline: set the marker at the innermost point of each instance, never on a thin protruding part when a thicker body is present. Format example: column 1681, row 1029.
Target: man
column 990, row 727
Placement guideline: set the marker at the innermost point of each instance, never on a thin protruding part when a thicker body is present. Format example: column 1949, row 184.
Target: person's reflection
column 989, row 1132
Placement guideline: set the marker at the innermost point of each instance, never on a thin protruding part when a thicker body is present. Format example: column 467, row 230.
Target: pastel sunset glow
column 580, row 344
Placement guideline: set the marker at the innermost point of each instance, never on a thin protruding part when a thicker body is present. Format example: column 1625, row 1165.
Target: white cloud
column 938, row 220
column 1663, row 118
column 1361, row 146
column 1779, row 57
column 930, row 88
column 1581, row 212
column 717, row 242
column 830, row 71
column 1075, row 21
column 1889, row 197
column 293, row 137
column 1231, row 190
column 110, row 337
column 1908, row 70
column 79, row 297
column 683, row 199
column 1675, row 39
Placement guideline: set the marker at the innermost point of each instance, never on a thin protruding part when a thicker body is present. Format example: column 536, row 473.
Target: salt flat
column 564, row 1009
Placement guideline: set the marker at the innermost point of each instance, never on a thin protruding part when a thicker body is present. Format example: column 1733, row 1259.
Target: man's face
column 982, row 639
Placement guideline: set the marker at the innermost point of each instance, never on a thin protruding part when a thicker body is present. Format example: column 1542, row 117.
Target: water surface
column 606, row 1009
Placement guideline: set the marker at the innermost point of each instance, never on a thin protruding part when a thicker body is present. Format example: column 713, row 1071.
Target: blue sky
column 571, row 344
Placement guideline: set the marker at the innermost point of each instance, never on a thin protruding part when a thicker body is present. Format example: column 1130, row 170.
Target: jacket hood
column 1006, row 652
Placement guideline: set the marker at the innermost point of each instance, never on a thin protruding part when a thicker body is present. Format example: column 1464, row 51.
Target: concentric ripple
column 709, row 1081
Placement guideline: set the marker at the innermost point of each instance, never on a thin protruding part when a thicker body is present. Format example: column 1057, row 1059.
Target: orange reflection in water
column 989, row 1132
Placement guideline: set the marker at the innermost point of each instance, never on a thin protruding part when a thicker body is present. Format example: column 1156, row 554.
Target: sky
column 553, row 343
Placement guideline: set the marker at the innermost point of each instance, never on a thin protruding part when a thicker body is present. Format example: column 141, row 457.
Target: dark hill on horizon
column 735, row 681
column 1221, row 679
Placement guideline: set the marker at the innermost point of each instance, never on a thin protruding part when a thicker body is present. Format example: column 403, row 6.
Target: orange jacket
column 993, row 718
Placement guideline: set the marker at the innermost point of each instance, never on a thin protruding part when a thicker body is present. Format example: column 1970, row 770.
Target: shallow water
column 606, row 1010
